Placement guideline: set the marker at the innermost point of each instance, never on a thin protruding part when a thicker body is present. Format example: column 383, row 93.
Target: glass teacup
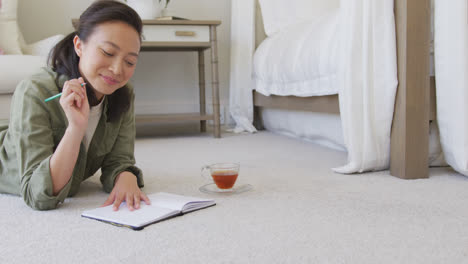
column 224, row 175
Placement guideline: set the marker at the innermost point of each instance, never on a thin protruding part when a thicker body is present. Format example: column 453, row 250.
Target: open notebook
column 163, row 206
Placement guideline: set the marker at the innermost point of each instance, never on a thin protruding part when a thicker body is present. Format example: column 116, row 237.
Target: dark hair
column 64, row 60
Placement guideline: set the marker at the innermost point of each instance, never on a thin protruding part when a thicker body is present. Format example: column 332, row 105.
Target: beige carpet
column 299, row 211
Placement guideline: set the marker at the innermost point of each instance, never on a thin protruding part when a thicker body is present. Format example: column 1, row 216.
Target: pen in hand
column 59, row 94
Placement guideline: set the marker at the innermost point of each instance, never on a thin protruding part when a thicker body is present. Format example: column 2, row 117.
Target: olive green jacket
column 33, row 133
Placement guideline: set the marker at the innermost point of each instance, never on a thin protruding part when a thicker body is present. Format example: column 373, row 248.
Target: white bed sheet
column 326, row 130
column 320, row 128
column 301, row 60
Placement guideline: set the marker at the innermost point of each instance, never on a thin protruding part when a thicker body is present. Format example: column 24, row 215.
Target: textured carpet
column 299, row 211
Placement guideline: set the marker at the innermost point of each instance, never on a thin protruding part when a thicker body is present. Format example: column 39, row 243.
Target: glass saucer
column 212, row 188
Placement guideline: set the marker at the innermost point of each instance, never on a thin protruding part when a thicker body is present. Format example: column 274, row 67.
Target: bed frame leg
column 410, row 128
column 258, row 124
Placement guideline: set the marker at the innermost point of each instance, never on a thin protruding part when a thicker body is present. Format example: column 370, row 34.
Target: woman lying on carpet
column 50, row 147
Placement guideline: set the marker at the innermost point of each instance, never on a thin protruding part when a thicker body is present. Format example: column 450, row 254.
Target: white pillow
column 9, row 31
column 279, row 14
column 16, row 68
column 42, row 47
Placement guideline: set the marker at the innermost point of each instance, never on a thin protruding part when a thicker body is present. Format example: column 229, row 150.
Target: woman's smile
column 109, row 80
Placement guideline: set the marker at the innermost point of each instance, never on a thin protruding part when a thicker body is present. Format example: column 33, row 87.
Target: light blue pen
column 59, row 94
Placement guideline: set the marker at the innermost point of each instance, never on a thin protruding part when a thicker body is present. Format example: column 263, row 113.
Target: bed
column 387, row 102
column 415, row 98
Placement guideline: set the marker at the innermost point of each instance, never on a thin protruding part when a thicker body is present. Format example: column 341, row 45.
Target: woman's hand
column 74, row 102
column 126, row 189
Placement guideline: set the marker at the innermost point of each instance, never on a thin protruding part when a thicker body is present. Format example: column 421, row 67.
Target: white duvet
column 301, row 60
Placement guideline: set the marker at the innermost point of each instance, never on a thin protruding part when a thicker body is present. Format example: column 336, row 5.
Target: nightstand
column 186, row 35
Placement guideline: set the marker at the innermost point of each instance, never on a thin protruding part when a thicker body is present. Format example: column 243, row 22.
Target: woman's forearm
column 64, row 158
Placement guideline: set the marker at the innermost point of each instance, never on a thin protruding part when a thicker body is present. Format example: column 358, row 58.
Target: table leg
column 215, row 82
column 201, row 85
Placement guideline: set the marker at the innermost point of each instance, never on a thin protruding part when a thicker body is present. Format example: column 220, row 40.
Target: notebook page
column 145, row 215
column 173, row 201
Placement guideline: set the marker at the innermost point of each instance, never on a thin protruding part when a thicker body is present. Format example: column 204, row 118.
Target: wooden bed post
column 410, row 128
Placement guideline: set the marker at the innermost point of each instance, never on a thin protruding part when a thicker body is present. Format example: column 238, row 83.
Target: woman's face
column 108, row 58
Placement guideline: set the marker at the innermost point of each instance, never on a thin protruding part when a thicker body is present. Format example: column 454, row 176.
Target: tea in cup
column 224, row 175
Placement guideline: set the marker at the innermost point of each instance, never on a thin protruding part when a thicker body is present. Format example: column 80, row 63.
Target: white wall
column 165, row 82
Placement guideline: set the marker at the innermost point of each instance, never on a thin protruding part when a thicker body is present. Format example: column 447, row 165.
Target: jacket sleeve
column 34, row 146
column 121, row 157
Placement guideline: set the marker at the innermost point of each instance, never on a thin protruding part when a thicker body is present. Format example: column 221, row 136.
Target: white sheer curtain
column 451, row 70
column 367, row 82
column 242, row 50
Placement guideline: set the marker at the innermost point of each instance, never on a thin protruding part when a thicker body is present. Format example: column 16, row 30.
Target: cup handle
column 204, row 173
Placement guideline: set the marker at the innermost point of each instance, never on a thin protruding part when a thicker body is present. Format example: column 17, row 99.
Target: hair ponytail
column 63, row 58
